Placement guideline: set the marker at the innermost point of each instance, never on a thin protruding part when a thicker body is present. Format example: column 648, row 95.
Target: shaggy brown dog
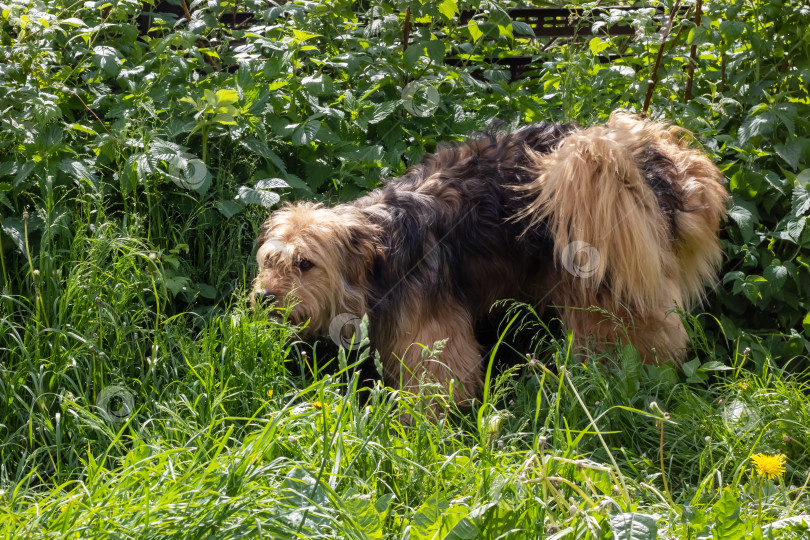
column 623, row 217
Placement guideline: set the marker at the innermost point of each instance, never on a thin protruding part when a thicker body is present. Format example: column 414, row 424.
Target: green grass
column 221, row 442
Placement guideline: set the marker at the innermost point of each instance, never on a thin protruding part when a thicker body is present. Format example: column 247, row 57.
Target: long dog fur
column 506, row 217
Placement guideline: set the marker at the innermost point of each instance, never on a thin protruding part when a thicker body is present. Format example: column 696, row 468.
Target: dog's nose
column 266, row 297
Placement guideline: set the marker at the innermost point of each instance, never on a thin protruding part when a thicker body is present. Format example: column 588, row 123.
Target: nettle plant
column 758, row 103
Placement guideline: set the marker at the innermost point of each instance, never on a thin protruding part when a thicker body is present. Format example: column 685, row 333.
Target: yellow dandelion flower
column 743, row 385
column 270, row 393
column 769, row 466
column 317, row 404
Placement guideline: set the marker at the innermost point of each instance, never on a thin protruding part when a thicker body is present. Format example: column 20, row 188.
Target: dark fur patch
column 450, row 223
column 659, row 173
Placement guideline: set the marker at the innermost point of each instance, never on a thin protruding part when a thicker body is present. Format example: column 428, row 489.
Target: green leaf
column 107, row 59
column 209, row 52
column 752, row 287
column 791, row 153
column 505, row 30
column 754, row 126
column 728, row 524
column 464, row 530
column 744, row 220
column 797, row 523
column 694, row 516
column 456, row 525
column 691, row 367
column 206, row 290
column 303, row 494
column 15, row 229
column 73, row 21
column 428, row 518
column 84, row 129
column 435, row 50
column 776, row 274
column 475, row 32
column 77, row 170
column 634, row 526
column 6, row 201
column 698, row 36
column 714, row 365
column 187, row 171
column 383, row 111
column 794, row 229
column 305, row 133
column 499, row 16
column 176, row 284
column 23, row 172
column 522, row 28
column 271, row 183
column 260, row 148
column 257, row 196
column 383, row 505
column 731, row 30
column 226, row 97
column 229, row 208
column 786, row 112
column 598, row 45
column 803, row 178
column 301, row 36
column 412, row 55
column 364, row 514
column 631, row 369
column 448, row 8
column 800, row 200
column 318, row 85
column 366, row 155
column 226, row 117
column 210, row 97
column 297, row 183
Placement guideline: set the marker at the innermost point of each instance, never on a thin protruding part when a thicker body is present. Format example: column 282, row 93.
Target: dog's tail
column 633, row 211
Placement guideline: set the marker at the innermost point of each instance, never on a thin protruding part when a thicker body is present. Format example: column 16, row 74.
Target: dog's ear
column 363, row 248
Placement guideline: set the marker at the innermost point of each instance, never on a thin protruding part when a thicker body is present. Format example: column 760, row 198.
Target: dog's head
column 318, row 260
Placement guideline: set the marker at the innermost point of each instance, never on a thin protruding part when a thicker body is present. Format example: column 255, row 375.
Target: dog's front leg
column 455, row 366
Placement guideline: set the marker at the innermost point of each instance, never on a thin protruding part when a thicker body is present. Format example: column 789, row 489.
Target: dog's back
column 452, row 222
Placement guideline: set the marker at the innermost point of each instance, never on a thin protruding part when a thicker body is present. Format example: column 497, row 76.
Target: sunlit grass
column 221, row 441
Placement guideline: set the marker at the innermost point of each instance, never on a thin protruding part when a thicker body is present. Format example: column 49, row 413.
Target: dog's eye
column 305, row 265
